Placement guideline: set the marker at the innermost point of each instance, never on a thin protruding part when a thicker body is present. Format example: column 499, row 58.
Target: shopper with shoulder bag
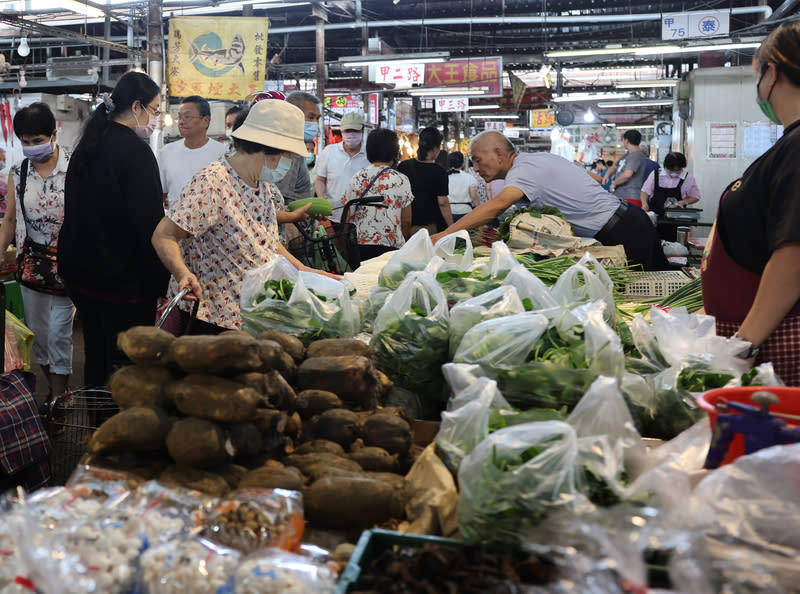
column 34, row 217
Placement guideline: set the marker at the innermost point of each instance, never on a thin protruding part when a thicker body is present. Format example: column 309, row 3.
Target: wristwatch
column 750, row 352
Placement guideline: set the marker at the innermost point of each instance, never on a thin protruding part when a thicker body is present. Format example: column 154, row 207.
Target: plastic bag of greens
column 307, row 305
column 456, row 251
column 459, row 376
column 586, row 280
column 414, row 255
column 602, row 411
column 514, row 478
column 532, row 291
column 464, row 283
column 375, row 301
column 466, row 423
column 499, row 302
column 411, row 338
column 501, row 343
column 603, row 348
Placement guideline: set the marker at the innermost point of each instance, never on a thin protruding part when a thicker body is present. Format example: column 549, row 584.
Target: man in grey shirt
column 630, row 169
column 546, row 179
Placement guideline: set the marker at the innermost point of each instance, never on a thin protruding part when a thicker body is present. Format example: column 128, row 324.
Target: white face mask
column 351, row 139
column 674, row 174
column 273, row 176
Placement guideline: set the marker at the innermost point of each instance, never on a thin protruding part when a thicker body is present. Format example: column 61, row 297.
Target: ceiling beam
column 34, row 27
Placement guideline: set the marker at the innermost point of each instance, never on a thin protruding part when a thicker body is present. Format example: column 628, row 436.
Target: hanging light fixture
column 588, row 116
column 22, row 80
column 24, row 49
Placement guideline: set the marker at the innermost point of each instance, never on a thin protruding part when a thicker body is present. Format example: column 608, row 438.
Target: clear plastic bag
column 277, row 572
column 375, row 301
column 466, row 423
column 191, row 565
column 514, row 478
column 502, row 343
column 318, row 306
column 533, row 293
column 602, row 411
column 415, row 254
column 460, row 376
column 252, row 519
column 586, row 280
column 603, row 347
column 456, row 251
column 497, row 303
column 461, row 283
column 411, row 338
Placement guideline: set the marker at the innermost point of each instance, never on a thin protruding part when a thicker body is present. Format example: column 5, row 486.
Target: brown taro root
column 271, row 477
column 305, row 461
column 396, row 480
column 315, row 402
column 387, row 431
column 245, row 439
column 198, row 442
column 374, row 459
column 146, row 345
column 338, row 424
column 318, row 446
column 193, row 478
column 222, row 354
column 385, row 385
column 280, row 394
column 139, row 385
column 338, row 347
column 140, row 428
column 291, row 344
column 351, row 378
column 214, row 398
column 341, row 502
column 232, row 473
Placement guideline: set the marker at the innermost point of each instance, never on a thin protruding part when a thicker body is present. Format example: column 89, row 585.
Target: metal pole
column 155, row 41
column 106, row 50
column 321, row 17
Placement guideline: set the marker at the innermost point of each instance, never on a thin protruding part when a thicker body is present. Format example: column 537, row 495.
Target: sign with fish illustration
column 216, row 58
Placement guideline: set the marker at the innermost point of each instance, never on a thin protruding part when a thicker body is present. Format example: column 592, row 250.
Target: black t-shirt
column 428, row 182
column 762, row 210
column 110, row 214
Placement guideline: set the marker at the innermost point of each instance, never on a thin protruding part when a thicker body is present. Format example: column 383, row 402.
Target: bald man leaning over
column 544, row 179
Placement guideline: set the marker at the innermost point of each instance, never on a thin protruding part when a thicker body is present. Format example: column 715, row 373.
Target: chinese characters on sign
column 496, row 126
column 374, row 108
column 219, row 58
column 683, row 25
column 342, row 104
column 542, row 118
column 467, row 73
column 721, row 140
column 446, row 104
column 402, row 76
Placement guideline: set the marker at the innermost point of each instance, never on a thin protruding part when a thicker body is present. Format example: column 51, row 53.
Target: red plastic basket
column 789, row 404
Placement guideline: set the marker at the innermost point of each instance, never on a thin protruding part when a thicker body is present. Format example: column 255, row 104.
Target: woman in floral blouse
column 226, row 222
column 384, row 228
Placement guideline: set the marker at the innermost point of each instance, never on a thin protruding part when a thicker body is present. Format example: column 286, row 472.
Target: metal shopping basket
column 71, row 420
column 335, row 248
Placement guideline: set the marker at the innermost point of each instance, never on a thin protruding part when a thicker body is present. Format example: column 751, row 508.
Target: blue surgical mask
column 39, row 153
column 309, row 160
column 310, row 131
column 273, row 176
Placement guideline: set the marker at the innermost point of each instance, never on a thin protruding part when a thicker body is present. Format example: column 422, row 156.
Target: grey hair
column 297, row 98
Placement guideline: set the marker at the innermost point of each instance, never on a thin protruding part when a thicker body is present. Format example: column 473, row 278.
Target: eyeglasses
column 155, row 111
column 187, row 118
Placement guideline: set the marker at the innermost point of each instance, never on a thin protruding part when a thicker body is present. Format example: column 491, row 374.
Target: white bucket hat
column 276, row 124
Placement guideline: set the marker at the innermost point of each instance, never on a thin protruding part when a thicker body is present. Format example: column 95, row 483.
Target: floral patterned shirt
column 379, row 226
column 232, row 229
column 44, row 202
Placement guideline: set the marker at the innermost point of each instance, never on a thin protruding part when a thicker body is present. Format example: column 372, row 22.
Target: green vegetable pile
column 459, row 285
column 504, row 231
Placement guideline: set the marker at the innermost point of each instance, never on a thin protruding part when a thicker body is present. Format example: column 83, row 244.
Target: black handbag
column 37, row 264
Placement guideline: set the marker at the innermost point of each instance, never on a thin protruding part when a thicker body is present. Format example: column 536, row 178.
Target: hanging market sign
column 342, row 104
column 697, row 23
column 216, row 58
column 467, row 73
column 451, row 104
column 402, row 76
column 542, row 118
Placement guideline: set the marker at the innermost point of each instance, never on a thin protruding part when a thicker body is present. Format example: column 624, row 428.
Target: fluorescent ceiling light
column 424, row 58
column 653, row 50
column 574, row 97
column 641, row 103
column 446, row 92
column 637, row 127
column 501, row 116
column 486, row 106
column 646, row 84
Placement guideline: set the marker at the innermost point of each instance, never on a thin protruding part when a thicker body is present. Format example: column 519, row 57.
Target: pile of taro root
column 215, row 413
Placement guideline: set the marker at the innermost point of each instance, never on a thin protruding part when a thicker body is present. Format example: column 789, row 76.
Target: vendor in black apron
column 660, row 192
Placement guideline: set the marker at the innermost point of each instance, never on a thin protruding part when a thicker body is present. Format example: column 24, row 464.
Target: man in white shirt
column 179, row 161
column 338, row 163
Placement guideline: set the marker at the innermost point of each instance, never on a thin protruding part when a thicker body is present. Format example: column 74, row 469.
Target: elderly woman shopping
column 225, row 223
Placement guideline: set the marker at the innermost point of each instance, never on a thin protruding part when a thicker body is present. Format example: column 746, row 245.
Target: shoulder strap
column 374, row 179
column 680, row 183
column 23, row 180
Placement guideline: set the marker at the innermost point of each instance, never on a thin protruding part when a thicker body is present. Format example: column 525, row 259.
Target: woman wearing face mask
column 751, row 268
column 673, row 187
column 112, row 204
column 225, row 222
column 34, row 217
